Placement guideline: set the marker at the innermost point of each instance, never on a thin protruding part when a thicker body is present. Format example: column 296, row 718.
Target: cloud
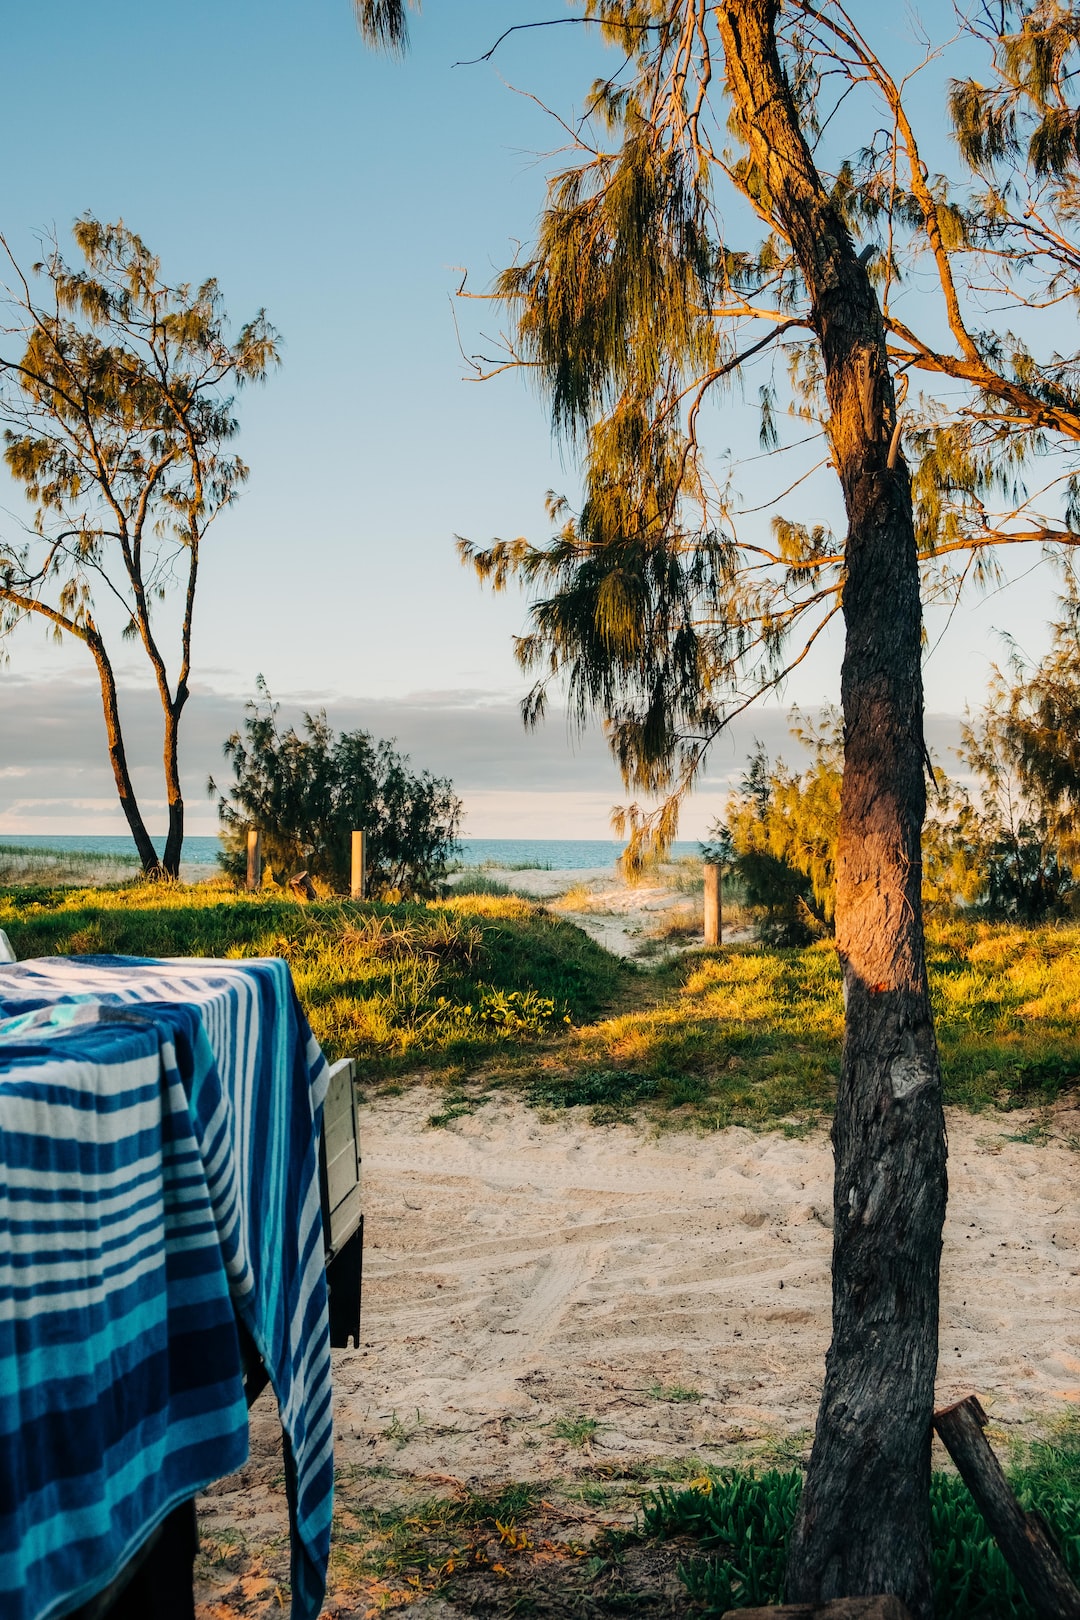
column 55, row 776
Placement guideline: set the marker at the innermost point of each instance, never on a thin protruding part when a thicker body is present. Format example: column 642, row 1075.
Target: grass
column 674, row 1393
column 742, row 1521
column 648, row 1539
column 513, row 1549
column 739, row 1036
column 437, row 983
column 579, row 1432
column 20, row 864
column 497, row 991
column 392, row 1554
column 473, row 884
column 750, row 1035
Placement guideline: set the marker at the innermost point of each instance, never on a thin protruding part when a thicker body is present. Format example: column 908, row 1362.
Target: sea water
column 551, row 854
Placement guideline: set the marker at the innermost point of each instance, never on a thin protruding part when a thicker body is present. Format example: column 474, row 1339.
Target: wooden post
column 1025, row 1541
column 359, row 865
column 254, row 859
column 713, row 920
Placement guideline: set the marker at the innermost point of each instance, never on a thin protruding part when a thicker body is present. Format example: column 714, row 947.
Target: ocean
column 555, row 854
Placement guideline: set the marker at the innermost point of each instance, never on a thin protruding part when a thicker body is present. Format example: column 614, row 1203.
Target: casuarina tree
column 116, row 397
column 648, row 290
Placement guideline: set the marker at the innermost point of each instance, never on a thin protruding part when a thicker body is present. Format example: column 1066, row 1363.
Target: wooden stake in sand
column 1024, row 1539
column 359, row 866
column 254, row 859
column 713, row 925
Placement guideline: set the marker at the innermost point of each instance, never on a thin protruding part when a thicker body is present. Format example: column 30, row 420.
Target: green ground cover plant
column 751, row 1034
column 741, row 1521
column 550, row 1548
column 578, row 1432
column 656, row 1538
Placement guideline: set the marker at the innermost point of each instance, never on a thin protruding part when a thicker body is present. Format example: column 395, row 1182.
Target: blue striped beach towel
column 254, row 1085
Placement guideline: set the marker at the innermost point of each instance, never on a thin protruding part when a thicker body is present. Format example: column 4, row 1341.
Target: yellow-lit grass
column 748, row 1034
column 446, row 982
column 482, row 985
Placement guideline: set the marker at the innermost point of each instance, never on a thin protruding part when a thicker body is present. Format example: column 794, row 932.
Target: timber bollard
column 254, row 859
column 713, row 921
column 358, row 889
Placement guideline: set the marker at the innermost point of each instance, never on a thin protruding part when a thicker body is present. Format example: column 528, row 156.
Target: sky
column 259, row 141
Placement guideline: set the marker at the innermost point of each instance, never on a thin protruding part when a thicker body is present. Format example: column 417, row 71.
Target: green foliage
column 479, row 883
column 579, row 1431
column 618, row 289
column 657, row 604
column 1044, row 717
column 1011, row 850
column 609, row 1093
column 744, row 1037
column 781, row 829
column 385, row 22
column 1025, row 836
column 306, row 794
column 421, row 1543
column 742, row 1521
column 752, row 1035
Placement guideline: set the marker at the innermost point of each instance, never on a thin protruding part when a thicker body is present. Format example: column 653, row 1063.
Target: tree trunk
column 174, row 842
column 864, row 1523
column 118, row 756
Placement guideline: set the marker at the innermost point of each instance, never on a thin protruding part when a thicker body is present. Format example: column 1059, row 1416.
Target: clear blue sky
column 262, row 143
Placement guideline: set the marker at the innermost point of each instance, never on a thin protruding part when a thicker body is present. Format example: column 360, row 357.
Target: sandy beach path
column 628, row 919
column 549, row 1300
column 522, row 1273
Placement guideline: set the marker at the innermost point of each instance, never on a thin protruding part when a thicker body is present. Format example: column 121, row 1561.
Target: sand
column 651, row 918
column 521, row 1272
column 545, row 1298
column 525, row 1273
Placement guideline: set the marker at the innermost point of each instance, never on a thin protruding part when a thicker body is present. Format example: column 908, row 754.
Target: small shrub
column 579, row 1432
column 308, row 793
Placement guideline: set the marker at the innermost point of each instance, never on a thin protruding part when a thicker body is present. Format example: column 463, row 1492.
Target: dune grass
column 22, row 864
column 490, row 990
column 750, row 1035
column 397, row 985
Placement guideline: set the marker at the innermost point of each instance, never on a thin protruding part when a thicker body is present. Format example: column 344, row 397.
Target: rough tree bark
column 88, row 633
column 863, row 1525
column 174, row 841
column 110, row 706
